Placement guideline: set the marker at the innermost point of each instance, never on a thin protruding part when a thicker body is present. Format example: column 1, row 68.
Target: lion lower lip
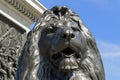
column 68, row 67
column 68, row 64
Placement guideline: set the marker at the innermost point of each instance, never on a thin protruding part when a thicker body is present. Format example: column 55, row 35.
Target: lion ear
column 29, row 59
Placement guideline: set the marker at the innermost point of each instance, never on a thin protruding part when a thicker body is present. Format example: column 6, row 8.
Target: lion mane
column 60, row 47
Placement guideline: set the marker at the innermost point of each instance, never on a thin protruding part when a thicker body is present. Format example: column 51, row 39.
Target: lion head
column 60, row 47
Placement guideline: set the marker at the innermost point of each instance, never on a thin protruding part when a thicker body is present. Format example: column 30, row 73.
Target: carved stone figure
column 60, row 47
column 11, row 40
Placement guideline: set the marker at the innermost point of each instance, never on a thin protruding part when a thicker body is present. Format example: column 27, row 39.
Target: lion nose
column 67, row 34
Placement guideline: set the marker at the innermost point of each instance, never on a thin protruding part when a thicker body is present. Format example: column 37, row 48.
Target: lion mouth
column 68, row 52
column 66, row 59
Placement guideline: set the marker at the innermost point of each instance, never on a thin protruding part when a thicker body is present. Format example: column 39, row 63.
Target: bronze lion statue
column 60, row 47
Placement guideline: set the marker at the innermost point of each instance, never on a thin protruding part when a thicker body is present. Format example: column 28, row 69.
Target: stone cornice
column 21, row 12
column 23, row 9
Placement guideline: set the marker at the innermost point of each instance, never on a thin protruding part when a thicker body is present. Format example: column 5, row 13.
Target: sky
column 102, row 18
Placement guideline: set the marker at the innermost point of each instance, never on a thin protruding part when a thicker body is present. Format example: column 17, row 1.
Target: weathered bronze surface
column 60, row 47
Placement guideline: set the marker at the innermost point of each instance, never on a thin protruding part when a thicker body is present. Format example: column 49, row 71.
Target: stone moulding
column 22, row 9
column 22, row 12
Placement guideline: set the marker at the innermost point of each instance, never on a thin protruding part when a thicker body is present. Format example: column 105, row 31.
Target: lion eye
column 50, row 30
column 75, row 29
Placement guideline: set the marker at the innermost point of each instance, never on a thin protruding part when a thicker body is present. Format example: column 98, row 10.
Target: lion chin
column 60, row 47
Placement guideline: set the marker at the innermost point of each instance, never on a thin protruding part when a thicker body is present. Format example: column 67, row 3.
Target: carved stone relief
column 11, row 41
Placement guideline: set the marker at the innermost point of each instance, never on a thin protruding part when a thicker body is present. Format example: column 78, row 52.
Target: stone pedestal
column 15, row 19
